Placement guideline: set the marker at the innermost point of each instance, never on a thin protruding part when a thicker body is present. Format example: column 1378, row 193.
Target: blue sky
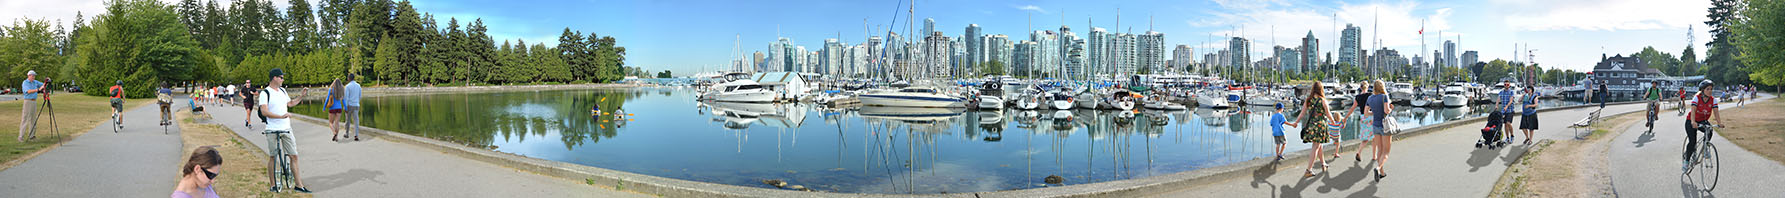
column 686, row 35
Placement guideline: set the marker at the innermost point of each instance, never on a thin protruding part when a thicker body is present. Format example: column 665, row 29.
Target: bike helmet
column 1705, row 83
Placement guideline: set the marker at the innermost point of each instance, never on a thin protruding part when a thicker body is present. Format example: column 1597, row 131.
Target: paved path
column 1648, row 165
column 1438, row 164
column 137, row 162
column 379, row 168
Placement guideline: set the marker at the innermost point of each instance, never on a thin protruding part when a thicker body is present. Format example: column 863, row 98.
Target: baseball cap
column 276, row 73
column 31, row 73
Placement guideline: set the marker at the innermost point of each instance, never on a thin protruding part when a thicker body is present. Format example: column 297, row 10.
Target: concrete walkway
column 1438, row 164
column 1648, row 165
column 139, row 161
column 379, row 168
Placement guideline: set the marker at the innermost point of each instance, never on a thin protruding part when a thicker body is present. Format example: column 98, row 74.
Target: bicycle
column 1706, row 163
column 282, row 177
column 1654, row 114
column 166, row 115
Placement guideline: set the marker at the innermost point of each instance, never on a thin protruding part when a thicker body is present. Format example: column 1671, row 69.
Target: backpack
column 263, row 117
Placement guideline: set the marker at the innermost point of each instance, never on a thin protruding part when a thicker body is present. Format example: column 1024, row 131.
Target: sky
column 689, row 36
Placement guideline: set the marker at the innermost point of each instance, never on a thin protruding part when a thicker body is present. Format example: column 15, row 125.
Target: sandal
column 1307, row 173
column 1527, row 140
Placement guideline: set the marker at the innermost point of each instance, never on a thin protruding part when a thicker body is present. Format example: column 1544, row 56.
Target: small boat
column 1122, row 100
column 991, row 96
column 915, row 96
column 1400, row 91
column 1090, row 103
column 1212, row 99
column 1060, row 100
column 1161, row 104
column 1262, row 97
column 1027, row 101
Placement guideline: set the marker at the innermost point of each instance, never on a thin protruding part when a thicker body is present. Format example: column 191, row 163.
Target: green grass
column 74, row 114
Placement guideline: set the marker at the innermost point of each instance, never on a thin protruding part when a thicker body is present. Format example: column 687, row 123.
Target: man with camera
column 28, row 120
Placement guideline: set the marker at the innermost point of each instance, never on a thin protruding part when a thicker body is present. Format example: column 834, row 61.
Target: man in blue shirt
column 350, row 94
column 1277, row 123
column 1505, row 108
column 28, row 118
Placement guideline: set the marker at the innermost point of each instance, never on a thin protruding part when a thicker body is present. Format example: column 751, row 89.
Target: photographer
column 28, row 120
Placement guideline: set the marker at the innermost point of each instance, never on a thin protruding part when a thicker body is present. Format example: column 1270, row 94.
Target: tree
column 1688, row 63
column 30, row 45
column 1721, row 65
column 302, row 25
column 140, row 42
column 1760, row 42
column 664, row 74
column 1658, row 60
column 995, row 68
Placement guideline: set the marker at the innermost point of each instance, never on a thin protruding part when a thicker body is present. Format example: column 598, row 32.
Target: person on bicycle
column 274, row 105
column 164, row 96
column 117, row 92
column 1654, row 97
column 1704, row 106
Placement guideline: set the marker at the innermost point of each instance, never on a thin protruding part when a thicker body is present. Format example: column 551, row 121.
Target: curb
column 669, row 187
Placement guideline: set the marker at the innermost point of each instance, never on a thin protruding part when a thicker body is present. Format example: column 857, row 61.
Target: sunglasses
column 211, row 175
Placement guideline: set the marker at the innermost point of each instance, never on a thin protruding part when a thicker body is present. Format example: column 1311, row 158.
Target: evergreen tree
column 140, row 42
column 302, row 25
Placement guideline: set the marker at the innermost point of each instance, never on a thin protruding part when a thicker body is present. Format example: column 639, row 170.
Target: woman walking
column 1363, row 130
column 1528, row 121
column 1314, row 114
column 1378, row 112
column 335, row 105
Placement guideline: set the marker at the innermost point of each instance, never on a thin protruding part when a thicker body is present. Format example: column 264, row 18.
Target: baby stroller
column 1490, row 135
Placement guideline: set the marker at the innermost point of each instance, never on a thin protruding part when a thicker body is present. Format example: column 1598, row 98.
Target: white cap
column 31, row 73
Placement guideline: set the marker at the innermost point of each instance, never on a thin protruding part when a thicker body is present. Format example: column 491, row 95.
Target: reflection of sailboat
column 740, row 115
column 1211, row 117
column 1238, row 122
column 1453, row 113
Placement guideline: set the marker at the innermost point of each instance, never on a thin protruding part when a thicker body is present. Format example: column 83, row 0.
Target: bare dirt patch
column 1758, row 127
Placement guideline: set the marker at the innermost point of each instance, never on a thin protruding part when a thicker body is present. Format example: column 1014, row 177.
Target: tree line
column 385, row 42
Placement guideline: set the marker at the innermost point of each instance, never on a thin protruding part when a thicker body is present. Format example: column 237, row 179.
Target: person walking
column 1315, row 113
column 1529, row 122
column 28, row 116
column 1277, row 123
column 204, row 160
column 1359, row 104
column 275, row 104
column 1505, row 108
column 248, row 102
column 335, row 106
column 1603, row 93
column 350, row 94
column 1378, row 112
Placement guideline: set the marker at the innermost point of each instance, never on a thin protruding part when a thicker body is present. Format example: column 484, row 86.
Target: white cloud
column 1032, row 8
column 1527, row 15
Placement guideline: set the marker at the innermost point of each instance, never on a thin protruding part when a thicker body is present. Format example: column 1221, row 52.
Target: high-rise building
column 1351, row 46
column 1151, row 49
column 1469, row 58
column 997, row 48
column 1288, row 59
column 1237, row 47
column 756, row 63
column 1310, row 51
column 1181, row 57
column 938, row 52
column 1097, row 52
column 1209, row 60
column 1125, row 54
column 1450, row 54
column 975, row 45
column 832, row 55
column 1023, row 58
column 872, row 65
column 1047, row 53
column 929, row 25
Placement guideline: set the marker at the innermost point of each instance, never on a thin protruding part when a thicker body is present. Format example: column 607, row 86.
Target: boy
column 1277, row 123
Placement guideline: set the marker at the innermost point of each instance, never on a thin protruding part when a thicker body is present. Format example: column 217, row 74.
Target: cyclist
column 117, row 91
column 165, row 97
column 1654, row 97
column 1704, row 106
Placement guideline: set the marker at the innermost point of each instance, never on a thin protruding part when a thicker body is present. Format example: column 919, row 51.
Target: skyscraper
column 1181, row 57
column 1288, row 59
column 1450, row 54
column 1351, row 46
column 1237, row 48
column 937, row 53
column 1023, row 58
column 1126, row 60
column 833, row 57
column 1151, row 47
column 1469, row 58
column 929, row 25
column 1310, row 52
column 975, row 45
column 1098, row 52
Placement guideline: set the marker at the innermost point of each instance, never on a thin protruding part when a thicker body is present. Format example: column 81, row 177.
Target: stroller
column 1490, row 135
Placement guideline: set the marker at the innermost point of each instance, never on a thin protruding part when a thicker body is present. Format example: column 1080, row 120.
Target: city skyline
column 660, row 36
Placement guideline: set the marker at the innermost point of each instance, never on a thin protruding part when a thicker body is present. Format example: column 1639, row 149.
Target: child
column 1277, row 123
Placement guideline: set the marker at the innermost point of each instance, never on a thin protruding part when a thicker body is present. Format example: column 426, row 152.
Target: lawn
column 244, row 164
column 1758, row 127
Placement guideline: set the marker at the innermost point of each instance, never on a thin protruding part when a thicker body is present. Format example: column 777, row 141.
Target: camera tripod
column 51, row 109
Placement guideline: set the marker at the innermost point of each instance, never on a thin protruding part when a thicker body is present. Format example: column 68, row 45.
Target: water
column 867, row 150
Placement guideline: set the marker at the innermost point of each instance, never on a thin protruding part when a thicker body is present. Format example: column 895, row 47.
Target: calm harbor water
column 865, row 150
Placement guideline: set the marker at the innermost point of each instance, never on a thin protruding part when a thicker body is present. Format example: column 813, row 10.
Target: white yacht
column 913, row 97
column 742, row 90
column 991, row 95
column 1060, row 99
column 1455, row 95
column 1161, row 104
column 1400, row 91
column 1212, row 99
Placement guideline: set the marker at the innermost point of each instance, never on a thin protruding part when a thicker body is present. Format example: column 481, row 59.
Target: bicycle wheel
column 1708, row 169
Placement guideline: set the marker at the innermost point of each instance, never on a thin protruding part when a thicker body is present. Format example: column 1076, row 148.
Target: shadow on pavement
column 1368, row 191
column 1481, row 157
column 1513, row 152
column 1345, row 180
column 326, row 182
column 1265, row 172
column 1689, row 190
column 1644, row 139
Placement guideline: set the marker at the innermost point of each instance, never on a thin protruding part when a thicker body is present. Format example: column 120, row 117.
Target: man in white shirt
column 274, row 105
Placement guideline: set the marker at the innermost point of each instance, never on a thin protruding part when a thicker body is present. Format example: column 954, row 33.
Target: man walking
column 351, row 95
column 248, row 100
column 274, row 104
column 28, row 118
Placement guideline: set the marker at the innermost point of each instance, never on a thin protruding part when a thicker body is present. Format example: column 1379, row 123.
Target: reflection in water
column 864, row 150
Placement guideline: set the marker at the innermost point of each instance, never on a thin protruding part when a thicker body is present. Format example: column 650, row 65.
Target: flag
column 1422, row 31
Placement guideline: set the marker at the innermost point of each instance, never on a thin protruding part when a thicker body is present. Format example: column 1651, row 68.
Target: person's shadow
column 1689, row 190
column 1265, row 172
column 1480, row 158
column 1513, row 153
column 338, row 180
column 1301, row 184
column 1644, row 139
column 1345, row 180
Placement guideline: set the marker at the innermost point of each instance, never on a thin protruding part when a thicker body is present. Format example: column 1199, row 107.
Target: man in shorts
column 248, row 101
column 275, row 106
